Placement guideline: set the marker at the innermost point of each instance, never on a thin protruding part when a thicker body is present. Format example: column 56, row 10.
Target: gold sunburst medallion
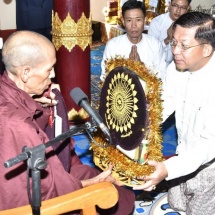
column 121, row 104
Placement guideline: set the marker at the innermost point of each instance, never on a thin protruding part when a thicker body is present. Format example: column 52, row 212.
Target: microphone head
column 78, row 95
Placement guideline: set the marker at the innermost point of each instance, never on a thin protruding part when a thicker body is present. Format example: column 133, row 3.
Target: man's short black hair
column 205, row 33
column 133, row 4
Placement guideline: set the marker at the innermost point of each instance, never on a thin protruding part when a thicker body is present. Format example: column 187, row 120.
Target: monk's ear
column 207, row 50
column 25, row 73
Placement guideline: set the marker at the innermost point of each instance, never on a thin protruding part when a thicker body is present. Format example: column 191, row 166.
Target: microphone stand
column 36, row 161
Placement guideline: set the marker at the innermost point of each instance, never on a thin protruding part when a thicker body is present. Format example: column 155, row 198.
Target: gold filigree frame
column 125, row 169
column 67, row 33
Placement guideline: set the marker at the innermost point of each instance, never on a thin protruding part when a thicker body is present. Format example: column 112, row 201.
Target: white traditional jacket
column 192, row 96
column 149, row 48
column 158, row 28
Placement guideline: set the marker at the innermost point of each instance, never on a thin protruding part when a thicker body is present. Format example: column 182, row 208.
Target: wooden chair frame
column 103, row 194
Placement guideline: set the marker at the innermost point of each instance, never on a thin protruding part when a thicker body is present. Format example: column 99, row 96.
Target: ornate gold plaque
column 122, row 99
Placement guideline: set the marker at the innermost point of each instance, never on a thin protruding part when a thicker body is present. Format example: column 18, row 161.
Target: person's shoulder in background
column 158, row 23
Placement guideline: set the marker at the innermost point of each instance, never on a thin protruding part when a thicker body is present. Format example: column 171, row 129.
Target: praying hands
column 134, row 54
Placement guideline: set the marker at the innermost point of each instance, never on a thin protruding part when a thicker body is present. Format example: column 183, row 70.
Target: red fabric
column 19, row 128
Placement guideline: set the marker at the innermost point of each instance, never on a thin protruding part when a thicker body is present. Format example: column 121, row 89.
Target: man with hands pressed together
column 189, row 91
column 161, row 26
column 134, row 44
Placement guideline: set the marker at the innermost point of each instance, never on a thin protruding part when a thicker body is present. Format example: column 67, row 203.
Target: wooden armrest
column 103, row 194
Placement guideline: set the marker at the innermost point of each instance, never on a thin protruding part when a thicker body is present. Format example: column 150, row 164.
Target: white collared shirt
column 158, row 28
column 192, row 96
column 149, row 49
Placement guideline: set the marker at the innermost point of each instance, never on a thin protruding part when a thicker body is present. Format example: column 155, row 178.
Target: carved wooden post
column 72, row 37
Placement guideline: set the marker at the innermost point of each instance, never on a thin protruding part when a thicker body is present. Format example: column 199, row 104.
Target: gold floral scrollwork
column 67, row 33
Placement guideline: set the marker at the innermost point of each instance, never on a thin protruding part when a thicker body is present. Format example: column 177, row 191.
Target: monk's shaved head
column 25, row 48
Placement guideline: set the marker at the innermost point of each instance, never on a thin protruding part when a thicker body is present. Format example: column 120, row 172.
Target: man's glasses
column 176, row 6
column 182, row 47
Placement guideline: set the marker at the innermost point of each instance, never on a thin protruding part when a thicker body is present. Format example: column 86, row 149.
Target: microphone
column 81, row 99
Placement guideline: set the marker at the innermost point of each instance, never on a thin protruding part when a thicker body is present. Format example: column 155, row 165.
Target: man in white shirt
column 161, row 26
column 134, row 44
column 189, row 91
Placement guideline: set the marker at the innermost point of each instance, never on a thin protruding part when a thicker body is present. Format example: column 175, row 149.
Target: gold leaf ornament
column 68, row 33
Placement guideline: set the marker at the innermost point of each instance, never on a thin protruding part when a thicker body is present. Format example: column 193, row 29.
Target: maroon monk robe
column 21, row 123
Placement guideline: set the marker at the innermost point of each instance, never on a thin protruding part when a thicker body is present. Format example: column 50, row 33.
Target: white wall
column 8, row 16
column 206, row 4
column 96, row 7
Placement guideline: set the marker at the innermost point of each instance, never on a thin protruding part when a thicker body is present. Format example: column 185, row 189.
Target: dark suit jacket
column 33, row 14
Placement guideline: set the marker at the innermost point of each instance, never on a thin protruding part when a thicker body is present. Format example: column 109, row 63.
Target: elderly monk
column 29, row 60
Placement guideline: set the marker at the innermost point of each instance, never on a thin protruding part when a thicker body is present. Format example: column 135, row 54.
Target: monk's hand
column 104, row 176
column 47, row 99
